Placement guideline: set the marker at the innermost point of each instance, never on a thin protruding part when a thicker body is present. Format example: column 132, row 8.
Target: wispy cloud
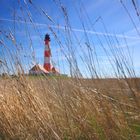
column 73, row 29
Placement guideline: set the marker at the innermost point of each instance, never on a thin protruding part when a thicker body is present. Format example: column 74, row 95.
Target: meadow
column 69, row 108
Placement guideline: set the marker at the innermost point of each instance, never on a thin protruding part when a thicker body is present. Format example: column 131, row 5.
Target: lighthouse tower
column 47, row 57
column 48, row 68
column 47, row 53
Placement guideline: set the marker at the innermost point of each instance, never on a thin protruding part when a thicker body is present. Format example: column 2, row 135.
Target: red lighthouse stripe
column 47, row 53
column 47, row 42
column 47, row 66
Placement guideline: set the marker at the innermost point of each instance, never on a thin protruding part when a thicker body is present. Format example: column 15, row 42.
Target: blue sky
column 93, row 14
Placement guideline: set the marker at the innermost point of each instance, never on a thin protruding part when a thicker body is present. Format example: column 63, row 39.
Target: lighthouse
column 47, row 57
column 47, row 68
column 47, row 53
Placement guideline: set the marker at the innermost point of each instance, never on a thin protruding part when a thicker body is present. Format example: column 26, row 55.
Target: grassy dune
column 50, row 108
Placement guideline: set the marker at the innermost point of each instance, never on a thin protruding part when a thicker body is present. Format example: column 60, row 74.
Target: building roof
column 38, row 69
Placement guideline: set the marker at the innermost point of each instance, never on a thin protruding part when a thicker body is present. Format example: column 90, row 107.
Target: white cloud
column 74, row 29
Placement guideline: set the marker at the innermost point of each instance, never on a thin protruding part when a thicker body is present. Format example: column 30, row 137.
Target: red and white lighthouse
column 48, row 68
column 47, row 53
column 47, row 56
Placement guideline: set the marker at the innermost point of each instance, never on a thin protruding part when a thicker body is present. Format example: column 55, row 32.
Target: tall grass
column 74, row 107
